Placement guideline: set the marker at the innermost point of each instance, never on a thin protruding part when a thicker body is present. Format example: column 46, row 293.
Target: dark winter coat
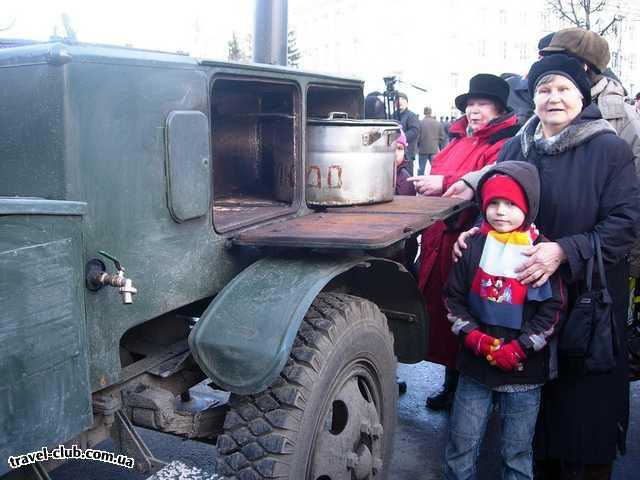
column 463, row 155
column 519, row 99
column 432, row 136
column 411, row 128
column 588, row 184
column 540, row 323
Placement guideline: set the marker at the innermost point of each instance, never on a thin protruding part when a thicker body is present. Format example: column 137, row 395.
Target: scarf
column 496, row 296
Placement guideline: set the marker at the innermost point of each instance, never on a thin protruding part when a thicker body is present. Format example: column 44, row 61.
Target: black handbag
column 588, row 342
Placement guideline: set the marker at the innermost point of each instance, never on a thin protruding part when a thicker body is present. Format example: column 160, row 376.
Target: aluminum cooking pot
column 350, row 162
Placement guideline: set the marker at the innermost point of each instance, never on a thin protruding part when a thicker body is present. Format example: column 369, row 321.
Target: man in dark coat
column 410, row 127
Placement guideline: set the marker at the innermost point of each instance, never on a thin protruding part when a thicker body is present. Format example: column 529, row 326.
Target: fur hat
column 584, row 44
column 563, row 65
column 485, row 85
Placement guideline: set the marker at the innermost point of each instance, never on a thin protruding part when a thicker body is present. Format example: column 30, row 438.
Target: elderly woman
column 588, row 185
column 477, row 139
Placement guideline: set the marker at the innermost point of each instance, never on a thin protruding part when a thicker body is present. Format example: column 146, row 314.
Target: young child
column 402, row 173
column 505, row 327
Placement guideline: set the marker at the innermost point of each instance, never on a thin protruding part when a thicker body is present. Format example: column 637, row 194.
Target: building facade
column 440, row 45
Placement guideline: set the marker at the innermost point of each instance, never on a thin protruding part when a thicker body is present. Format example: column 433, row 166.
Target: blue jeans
column 471, row 409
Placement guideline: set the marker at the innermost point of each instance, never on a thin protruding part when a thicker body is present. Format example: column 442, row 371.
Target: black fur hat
column 485, row 85
column 560, row 64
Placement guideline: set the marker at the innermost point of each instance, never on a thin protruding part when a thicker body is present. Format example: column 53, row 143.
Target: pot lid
column 342, row 119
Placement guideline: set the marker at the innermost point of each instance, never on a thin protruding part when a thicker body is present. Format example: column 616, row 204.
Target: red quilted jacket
column 467, row 154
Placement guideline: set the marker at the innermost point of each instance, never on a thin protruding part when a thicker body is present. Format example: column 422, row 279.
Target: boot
column 444, row 399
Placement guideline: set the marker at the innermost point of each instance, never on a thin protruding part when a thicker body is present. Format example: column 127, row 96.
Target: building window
column 482, row 48
column 544, row 20
column 503, row 17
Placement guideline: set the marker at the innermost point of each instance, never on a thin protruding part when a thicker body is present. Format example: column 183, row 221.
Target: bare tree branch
column 599, row 7
column 611, row 25
column 587, row 14
column 557, row 7
column 576, row 20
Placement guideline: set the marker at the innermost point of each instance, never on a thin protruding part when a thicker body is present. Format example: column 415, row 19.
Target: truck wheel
column 331, row 414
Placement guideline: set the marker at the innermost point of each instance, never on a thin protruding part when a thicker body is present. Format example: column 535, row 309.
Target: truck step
column 177, row 470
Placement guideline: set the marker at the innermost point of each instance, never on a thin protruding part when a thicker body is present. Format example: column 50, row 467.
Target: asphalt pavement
column 419, row 441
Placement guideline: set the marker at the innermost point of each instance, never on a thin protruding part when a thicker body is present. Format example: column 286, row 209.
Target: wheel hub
column 349, row 442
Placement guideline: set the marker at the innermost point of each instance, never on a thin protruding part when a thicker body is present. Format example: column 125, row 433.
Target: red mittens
column 508, row 357
column 480, row 343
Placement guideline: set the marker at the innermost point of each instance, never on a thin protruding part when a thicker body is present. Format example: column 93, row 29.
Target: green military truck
column 154, row 233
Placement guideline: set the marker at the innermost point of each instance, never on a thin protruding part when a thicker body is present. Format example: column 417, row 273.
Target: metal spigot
column 97, row 277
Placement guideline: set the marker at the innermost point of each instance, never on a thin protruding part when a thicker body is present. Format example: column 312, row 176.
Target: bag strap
column 598, row 253
column 589, row 274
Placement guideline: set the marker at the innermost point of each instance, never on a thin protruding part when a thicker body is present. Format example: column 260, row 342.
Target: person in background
column 476, row 140
column 638, row 102
column 519, row 99
column 410, row 126
column 374, row 106
column 432, row 139
column 505, row 327
column 403, row 187
column 447, row 125
column 588, row 186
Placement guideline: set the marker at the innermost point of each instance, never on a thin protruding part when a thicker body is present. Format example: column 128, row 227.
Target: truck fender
column 243, row 339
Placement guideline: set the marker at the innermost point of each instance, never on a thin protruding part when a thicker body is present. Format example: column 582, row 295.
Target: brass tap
column 97, row 277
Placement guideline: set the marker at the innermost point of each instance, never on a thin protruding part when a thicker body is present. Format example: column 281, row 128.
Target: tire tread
column 261, row 430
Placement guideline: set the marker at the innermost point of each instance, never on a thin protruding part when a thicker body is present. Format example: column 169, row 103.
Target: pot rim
column 325, row 122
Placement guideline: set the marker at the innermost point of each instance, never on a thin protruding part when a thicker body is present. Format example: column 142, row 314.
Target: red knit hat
column 503, row 186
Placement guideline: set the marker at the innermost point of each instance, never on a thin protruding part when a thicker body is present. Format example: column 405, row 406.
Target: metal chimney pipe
column 270, row 32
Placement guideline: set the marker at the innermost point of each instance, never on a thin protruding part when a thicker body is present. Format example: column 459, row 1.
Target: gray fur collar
column 572, row 136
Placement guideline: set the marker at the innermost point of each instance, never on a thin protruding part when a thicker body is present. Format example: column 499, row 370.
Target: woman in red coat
column 477, row 139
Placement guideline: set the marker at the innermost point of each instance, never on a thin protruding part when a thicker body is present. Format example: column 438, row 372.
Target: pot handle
column 334, row 115
column 372, row 137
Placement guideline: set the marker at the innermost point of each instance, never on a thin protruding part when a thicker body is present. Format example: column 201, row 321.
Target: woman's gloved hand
column 508, row 357
column 480, row 343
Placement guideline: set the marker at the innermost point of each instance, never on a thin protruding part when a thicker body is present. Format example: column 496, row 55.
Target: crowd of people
column 552, row 161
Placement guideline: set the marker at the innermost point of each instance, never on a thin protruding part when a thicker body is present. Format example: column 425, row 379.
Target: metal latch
column 97, row 277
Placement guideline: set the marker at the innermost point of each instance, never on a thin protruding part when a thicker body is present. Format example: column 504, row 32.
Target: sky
column 186, row 25
column 397, row 45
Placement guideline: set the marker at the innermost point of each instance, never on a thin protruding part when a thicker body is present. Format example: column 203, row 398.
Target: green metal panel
column 117, row 120
column 188, row 167
column 45, row 397
column 243, row 339
column 88, row 123
column 32, row 124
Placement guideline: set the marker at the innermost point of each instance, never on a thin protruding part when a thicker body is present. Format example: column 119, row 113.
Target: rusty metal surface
column 437, row 207
column 363, row 227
